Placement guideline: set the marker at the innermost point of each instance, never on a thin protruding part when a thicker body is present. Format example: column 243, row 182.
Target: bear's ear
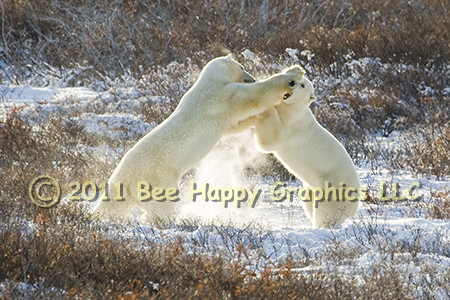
column 229, row 57
column 297, row 69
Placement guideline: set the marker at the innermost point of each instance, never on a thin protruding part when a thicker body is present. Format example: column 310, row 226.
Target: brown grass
column 135, row 35
column 63, row 253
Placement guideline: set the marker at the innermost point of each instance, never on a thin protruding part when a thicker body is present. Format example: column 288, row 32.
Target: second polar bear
column 312, row 154
column 218, row 100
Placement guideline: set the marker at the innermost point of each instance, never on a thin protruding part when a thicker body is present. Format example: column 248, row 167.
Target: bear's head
column 303, row 92
column 225, row 69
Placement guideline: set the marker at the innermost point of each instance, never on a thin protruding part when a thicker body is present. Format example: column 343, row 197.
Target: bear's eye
column 302, row 85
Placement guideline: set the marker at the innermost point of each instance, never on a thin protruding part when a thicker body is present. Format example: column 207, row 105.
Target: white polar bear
column 311, row 153
column 215, row 103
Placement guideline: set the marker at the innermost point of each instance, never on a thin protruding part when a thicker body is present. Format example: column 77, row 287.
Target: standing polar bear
column 219, row 99
column 312, row 154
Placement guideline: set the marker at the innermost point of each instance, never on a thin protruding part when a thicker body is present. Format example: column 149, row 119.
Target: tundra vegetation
column 381, row 71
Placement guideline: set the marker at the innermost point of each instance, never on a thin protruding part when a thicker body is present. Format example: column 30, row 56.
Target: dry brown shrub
column 427, row 151
column 67, row 251
column 48, row 148
column 136, row 35
column 439, row 206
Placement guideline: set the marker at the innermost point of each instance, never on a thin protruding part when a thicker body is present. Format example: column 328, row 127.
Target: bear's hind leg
column 158, row 211
column 330, row 213
column 308, row 208
column 165, row 209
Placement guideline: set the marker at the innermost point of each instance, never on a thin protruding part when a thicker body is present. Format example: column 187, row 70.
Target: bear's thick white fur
column 308, row 151
column 212, row 107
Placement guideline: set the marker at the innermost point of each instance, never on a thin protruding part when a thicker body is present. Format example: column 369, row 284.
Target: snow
column 24, row 94
column 292, row 53
column 113, row 126
column 282, row 228
column 29, row 291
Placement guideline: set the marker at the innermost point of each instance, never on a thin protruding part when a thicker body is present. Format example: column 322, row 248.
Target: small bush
column 439, row 206
column 51, row 148
column 428, row 150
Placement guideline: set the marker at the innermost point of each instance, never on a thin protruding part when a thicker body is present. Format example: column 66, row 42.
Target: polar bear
column 312, row 154
column 223, row 95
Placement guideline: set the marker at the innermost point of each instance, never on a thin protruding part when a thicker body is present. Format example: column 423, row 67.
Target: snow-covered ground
column 278, row 230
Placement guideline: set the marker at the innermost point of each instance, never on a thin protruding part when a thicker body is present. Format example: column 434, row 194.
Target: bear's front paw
column 287, row 95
